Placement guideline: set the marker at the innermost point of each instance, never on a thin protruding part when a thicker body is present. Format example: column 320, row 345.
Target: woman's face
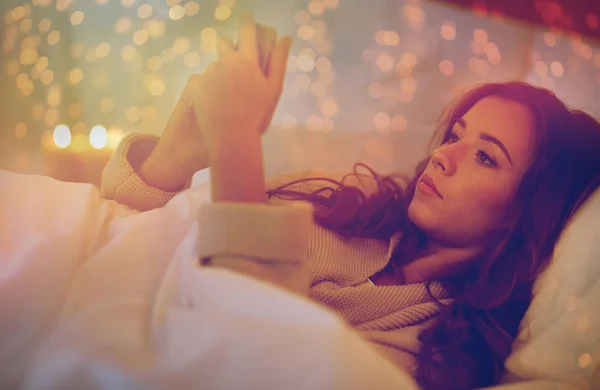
column 476, row 172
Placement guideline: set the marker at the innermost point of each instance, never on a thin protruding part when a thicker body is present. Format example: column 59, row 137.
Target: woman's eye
column 485, row 159
column 453, row 138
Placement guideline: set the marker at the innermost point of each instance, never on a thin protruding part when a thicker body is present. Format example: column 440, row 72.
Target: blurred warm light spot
column 35, row 74
column 541, row 68
column 549, row 39
column 181, row 45
column 305, row 63
column 448, row 30
column 77, row 18
column 28, row 57
column 123, row 25
column 91, row 56
column 145, row 11
column 128, row 3
column 74, row 111
column 149, row 113
column 176, row 12
column 45, row 25
column 208, row 34
column 480, row 35
column 28, row 88
column 592, row 21
column 168, row 55
column 585, row 360
column 114, row 137
column 62, row 136
column 318, row 88
column 18, row 13
column 62, row 5
column 408, row 60
column 21, row 130
column 155, row 86
column 329, row 107
column 154, row 63
column 106, row 105
column 323, row 64
column 316, row 7
column 385, row 62
column 21, row 79
column 382, row 121
column 128, row 53
column 302, row 17
column 98, row 138
column 54, row 96
column 391, row 38
column 14, row 66
column 556, row 68
column 156, row 28
column 327, row 126
column 414, row 15
column 305, row 32
column 478, row 65
column 47, row 77
column 133, row 114
column 405, row 98
column 314, row 123
column 222, row 12
column 191, row 8
column 103, row 50
column 446, row 67
column 141, row 37
column 77, row 50
column 53, row 37
column 191, row 59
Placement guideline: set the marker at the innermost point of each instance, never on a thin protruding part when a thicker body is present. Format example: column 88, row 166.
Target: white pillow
column 560, row 333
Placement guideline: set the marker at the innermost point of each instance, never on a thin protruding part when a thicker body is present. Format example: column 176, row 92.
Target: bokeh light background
column 366, row 79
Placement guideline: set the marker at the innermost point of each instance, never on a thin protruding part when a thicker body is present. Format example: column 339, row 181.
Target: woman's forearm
column 168, row 167
column 237, row 171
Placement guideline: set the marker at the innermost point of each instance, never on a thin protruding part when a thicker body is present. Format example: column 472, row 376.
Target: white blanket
column 96, row 296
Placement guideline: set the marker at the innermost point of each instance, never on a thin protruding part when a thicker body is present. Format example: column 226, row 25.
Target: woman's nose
column 440, row 160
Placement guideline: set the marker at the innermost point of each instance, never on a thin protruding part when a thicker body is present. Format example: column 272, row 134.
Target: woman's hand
column 234, row 98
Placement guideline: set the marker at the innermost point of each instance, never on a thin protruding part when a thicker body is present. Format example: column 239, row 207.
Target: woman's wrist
column 237, row 171
column 166, row 168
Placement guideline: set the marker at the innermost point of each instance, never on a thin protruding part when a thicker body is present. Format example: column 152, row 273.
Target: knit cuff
column 277, row 231
column 120, row 179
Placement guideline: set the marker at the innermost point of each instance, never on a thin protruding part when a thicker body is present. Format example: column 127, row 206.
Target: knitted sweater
column 391, row 317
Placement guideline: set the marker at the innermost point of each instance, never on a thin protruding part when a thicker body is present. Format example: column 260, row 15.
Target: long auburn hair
column 472, row 336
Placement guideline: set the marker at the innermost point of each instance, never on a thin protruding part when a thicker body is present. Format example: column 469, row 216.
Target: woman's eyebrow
column 488, row 137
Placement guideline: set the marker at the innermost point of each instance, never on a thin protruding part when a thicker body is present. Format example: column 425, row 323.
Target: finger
column 247, row 36
column 224, row 49
column 278, row 61
column 182, row 111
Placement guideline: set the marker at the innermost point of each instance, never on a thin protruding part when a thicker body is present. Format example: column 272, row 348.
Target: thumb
column 278, row 61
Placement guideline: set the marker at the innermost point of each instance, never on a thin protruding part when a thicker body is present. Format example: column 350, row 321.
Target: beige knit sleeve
column 121, row 182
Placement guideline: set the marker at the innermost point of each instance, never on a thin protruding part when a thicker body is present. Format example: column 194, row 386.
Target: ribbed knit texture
column 389, row 316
